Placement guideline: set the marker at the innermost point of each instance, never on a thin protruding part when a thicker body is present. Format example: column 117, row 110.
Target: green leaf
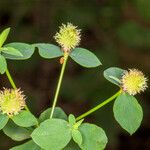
column 3, row 64
column 3, row 120
column 30, row 145
column 53, row 134
column 72, row 119
column 84, row 57
column 48, row 50
column 15, row 132
column 114, row 74
column 128, row 113
column 3, row 36
column 77, row 137
column 11, row 51
column 58, row 113
column 25, row 119
column 94, row 137
column 25, row 49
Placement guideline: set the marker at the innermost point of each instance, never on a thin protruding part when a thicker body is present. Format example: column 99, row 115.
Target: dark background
column 117, row 31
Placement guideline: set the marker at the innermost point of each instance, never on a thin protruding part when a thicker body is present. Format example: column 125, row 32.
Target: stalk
column 99, row 106
column 66, row 54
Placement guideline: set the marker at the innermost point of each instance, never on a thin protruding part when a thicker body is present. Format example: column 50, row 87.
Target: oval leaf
column 128, row 113
column 52, row 134
column 48, row 50
column 3, row 64
column 93, row 136
column 11, row 51
column 25, row 49
column 3, row 120
column 30, row 145
column 84, row 57
column 3, row 36
column 25, row 119
column 114, row 75
column 77, row 137
column 71, row 119
column 15, row 132
column 58, row 113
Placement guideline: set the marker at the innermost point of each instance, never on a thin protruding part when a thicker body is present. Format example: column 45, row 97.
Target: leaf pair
column 58, row 113
column 127, row 111
column 22, row 51
column 3, row 37
column 80, row 55
column 87, row 136
column 76, row 134
column 11, row 51
column 56, row 134
column 14, row 127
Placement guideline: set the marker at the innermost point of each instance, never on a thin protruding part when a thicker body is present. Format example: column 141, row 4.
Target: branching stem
column 98, row 106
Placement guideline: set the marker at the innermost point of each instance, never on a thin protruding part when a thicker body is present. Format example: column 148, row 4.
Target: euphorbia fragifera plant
column 53, row 129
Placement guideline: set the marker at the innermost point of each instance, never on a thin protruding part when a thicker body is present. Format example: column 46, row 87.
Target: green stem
column 13, row 84
column 66, row 54
column 99, row 106
column 10, row 79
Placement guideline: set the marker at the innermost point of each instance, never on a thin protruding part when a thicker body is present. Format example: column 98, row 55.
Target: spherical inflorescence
column 133, row 82
column 12, row 101
column 68, row 37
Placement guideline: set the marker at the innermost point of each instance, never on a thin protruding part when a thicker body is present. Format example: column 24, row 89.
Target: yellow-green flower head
column 133, row 81
column 68, row 37
column 12, row 101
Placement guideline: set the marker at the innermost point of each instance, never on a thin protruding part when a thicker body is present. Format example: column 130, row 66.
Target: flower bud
column 68, row 37
column 12, row 101
column 133, row 82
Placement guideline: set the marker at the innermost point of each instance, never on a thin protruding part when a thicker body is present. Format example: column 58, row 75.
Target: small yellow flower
column 133, row 81
column 68, row 37
column 12, row 101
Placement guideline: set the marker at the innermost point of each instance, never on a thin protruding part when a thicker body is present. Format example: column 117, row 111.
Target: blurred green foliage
column 134, row 35
column 116, row 31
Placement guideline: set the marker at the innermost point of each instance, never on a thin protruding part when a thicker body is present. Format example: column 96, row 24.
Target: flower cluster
column 12, row 101
column 68, row 37
column 133, row 81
